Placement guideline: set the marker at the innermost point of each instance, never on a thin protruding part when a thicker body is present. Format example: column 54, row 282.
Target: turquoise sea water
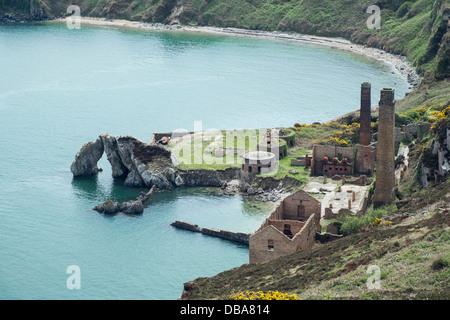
column 60, row 88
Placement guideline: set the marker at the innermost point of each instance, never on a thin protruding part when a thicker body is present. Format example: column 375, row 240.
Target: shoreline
column 399, row 63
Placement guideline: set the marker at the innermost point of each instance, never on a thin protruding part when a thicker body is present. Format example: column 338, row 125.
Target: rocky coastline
column 151, row 165
column 37, row 12
column 17, row 18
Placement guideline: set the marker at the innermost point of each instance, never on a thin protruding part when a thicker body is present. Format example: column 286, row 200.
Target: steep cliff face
column 443, row 58
column 209, row 178
column 438, row 46
column 39, row 10
column 435, row 158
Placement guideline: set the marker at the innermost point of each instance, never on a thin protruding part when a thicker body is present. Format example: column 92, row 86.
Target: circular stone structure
column 287, row 135
column 278, row 146
column 258, row 162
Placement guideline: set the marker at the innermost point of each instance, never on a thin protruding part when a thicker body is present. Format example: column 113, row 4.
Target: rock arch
column 140, row 163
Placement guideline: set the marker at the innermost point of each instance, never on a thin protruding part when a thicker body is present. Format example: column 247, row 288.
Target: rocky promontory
column 144, row 164
column 139, row 163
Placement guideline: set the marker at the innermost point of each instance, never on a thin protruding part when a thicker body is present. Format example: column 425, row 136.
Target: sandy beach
column 398, row 62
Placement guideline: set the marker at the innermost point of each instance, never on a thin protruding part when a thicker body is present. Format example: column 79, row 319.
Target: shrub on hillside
column 354, row 224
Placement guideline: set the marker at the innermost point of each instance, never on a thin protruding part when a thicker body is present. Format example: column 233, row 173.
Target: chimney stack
column 384, row 186
column 364, row 115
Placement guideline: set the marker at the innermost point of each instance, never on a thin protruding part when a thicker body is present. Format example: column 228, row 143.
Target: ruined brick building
column 290, row 228
column 329, row 160
column 359, row 160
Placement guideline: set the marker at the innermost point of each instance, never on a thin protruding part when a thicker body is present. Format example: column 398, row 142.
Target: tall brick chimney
column 384, row 186
column 364, row 115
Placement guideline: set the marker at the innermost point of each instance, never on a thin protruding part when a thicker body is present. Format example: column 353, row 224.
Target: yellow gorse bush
column 343, row 138
column 444, row 114
column 260, row 295
column 380, row 222
column 423, row 110
column 440, row 118
column 334, row 141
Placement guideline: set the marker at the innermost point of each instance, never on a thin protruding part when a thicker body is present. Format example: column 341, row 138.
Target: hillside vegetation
column 412, row 255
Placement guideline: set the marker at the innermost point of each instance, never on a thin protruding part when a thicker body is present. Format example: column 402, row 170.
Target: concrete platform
column 338, row 201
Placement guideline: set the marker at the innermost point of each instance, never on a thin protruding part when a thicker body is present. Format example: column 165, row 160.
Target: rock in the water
column 119, row 170
column 134, row 179
column 156, row 178
column 85, row 163
column 111, row 207
column 132, row 207
column 128, row 207
column 140, row 163
column 99, row 208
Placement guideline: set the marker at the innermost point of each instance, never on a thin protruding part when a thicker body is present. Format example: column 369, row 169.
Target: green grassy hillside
column 412, row 255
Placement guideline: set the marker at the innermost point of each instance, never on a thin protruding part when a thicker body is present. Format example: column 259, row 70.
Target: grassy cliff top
column 412, row 254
